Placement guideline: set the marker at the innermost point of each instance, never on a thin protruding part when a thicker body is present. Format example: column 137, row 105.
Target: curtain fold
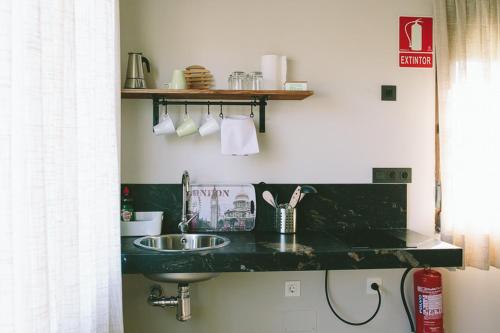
column 468, row 71
column 59, row 167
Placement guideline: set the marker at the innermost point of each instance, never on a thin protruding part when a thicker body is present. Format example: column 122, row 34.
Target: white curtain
column 59, row 169
column 468, row 67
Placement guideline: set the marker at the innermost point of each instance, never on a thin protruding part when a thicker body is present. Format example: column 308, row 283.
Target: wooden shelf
column 216, row 94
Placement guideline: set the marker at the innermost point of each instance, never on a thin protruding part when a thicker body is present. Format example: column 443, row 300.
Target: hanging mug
column 187, row 127
column 165, row 126
column 210, row 126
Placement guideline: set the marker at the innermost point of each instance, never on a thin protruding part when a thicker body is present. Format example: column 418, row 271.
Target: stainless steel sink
column 180, row 243
column 181, row 277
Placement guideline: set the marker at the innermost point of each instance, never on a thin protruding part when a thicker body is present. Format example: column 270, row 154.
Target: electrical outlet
column 391, row 175
column 292, row 288
column 369, row 282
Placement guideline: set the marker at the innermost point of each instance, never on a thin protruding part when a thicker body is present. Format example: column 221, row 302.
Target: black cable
column 403, row 298
column 374, row 287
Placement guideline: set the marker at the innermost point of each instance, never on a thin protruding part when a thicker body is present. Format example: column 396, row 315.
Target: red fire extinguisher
column 428, row 301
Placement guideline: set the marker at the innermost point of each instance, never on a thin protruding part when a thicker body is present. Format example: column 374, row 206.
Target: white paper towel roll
column 274, row 68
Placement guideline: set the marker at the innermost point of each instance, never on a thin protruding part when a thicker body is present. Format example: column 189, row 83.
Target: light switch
column 388, row 93
column 391, row 175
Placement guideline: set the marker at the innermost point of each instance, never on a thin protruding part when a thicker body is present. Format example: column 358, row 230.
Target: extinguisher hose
column 374, row 287
column 403, row 298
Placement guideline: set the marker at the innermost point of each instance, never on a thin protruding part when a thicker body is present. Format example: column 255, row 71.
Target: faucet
column 185, row 202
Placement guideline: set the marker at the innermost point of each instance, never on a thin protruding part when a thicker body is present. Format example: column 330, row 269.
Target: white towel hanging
column 238, row 136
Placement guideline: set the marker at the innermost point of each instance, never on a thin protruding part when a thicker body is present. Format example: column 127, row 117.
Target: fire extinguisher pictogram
column 428, row 294
column 415, row 38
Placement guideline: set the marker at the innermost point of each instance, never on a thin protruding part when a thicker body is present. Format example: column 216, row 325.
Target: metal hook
column 251, row 111
column 208, row 107
column 221, row 114
column 166, row 107
column 185, row 108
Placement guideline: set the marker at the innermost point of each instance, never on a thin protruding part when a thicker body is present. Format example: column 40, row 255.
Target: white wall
column 346, row 49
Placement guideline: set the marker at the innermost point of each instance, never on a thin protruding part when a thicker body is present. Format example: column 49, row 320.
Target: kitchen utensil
column 307, row 189
column 187, row 127
column 268, row 197
column 210, row 126
column 286, row 219
column 198, row 77
column 295, row 197
column 165, row 126
column 135, row 74
column 178, row 80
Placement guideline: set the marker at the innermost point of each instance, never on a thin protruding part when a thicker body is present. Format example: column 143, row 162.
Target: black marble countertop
column 267, row 251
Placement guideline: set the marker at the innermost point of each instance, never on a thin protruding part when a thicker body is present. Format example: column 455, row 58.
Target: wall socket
column 391, row 175
column 292, row 288
column 369, row 282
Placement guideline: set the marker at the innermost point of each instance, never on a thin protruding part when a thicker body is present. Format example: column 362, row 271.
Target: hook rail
column 260, row 101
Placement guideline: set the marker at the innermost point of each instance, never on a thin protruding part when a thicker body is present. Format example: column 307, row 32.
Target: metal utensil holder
column 286, row 219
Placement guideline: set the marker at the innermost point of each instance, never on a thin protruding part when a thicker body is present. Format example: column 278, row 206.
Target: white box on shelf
column 296, row 85
column 145, row 224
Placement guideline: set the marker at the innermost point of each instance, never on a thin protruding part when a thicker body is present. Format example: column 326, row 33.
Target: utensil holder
column 286, row 219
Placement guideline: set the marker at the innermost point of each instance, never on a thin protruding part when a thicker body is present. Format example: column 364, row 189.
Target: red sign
column 415, row 42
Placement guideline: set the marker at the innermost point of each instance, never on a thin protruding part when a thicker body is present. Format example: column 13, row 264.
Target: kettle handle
column 146, row 61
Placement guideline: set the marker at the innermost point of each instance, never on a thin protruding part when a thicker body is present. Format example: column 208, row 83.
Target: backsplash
column 339, row 207
column 336, row 207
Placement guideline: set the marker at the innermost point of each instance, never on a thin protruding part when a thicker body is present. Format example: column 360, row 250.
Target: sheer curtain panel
column 59, row 171
column 468, row 69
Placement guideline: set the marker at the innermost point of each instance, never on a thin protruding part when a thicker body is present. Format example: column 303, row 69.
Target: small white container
column 296, row 85
column 145, row 224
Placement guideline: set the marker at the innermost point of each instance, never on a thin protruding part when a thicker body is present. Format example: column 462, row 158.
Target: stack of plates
column 198, row 77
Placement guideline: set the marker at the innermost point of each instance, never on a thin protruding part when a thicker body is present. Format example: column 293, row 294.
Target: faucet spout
column 185, row 201
column 183, row 225
column 185, row 181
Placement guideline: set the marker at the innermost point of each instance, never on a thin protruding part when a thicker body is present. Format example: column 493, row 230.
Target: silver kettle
column 135, row 73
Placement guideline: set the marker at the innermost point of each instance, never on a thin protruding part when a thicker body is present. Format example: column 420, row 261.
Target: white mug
column 165, row 126
column 210, row 126
column 178, row 80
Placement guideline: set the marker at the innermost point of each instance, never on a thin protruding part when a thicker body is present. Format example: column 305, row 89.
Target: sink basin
column 181, row 277
column 181, row 242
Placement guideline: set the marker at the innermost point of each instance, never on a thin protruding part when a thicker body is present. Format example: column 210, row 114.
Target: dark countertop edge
column 337, row 257
column 339, row 261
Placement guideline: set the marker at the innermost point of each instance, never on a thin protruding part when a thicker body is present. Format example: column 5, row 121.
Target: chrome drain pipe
column 182, row 301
